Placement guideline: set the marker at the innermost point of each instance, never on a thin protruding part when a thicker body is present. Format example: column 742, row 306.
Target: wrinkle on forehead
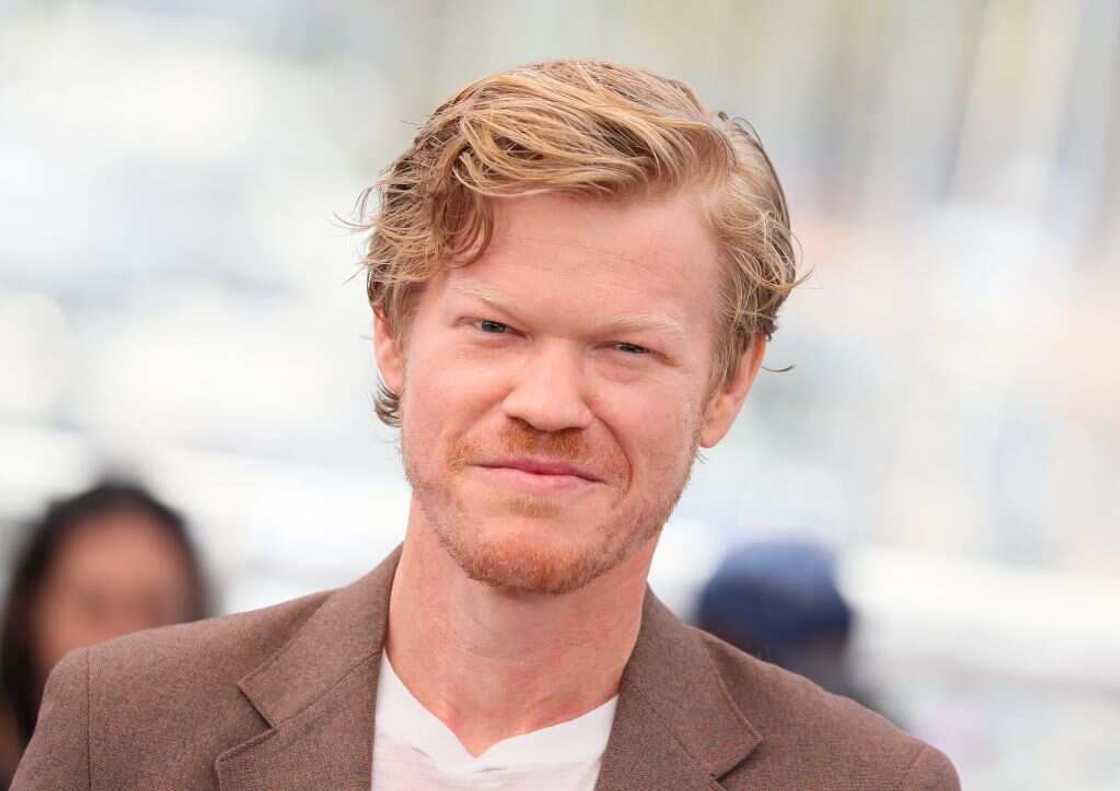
column 640, row 221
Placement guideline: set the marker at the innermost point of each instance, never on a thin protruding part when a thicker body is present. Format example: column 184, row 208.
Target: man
column 574, row 273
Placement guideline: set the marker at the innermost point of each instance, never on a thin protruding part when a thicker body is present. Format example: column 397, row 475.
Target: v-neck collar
column 580, row 740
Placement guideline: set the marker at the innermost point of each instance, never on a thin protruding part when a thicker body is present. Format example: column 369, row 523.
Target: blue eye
column 631, row 348
column 493, row 327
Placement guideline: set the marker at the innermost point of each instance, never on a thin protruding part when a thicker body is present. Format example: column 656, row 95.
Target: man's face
column 554, row 392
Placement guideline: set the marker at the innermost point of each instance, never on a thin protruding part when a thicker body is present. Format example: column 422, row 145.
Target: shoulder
column 223, row 649
column 184, row 679
column 809, row 732
column 118, row 710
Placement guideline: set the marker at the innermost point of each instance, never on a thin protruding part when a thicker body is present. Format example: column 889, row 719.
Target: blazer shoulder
column 812, row 733
column 150, row 693
column 192, row 658
column 58, row 756
column 931, row 771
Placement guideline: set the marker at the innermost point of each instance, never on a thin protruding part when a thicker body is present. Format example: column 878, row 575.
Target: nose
column 549, row 392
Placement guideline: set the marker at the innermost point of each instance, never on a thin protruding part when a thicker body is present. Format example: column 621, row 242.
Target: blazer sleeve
column 58, row 757
column 931, row 771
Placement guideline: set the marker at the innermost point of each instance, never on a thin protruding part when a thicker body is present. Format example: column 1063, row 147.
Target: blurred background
column 178, row 303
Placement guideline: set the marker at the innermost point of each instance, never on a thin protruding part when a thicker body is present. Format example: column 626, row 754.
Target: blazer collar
column 676, row 726
column 318, row 696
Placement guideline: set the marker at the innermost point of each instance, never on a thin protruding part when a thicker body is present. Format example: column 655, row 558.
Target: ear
column 725, row 403
column 388, row 349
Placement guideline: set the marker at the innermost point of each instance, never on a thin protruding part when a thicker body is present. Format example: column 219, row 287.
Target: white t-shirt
column 413, row 749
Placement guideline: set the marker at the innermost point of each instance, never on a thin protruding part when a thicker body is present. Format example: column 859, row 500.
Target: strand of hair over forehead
column 558, row 128
column 526, row 133
column 530, row 132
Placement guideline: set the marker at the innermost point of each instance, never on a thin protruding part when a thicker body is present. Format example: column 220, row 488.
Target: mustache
column 568, row 445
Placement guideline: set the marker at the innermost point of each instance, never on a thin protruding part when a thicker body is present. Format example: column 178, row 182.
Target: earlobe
column 388, row 353
column 725, row 403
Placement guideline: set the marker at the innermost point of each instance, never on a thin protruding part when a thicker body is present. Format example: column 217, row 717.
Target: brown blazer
column 283, row 699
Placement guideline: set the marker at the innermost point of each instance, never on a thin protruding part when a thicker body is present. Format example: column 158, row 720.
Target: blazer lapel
column 318, row 696
column 676, row 728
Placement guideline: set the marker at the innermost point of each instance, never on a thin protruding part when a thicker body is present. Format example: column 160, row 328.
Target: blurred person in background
column 574, row 273
column 778, row 601
column 103, row 563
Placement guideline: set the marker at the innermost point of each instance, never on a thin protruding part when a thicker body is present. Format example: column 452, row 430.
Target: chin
column 530, row 553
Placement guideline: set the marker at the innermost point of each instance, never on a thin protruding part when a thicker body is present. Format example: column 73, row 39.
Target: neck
column 492, row 664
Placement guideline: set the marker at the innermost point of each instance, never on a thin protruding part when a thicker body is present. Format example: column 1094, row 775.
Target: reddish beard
column 551, row 561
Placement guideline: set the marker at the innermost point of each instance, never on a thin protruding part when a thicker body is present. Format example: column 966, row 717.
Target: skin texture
column 114, row 575
column 554, row 394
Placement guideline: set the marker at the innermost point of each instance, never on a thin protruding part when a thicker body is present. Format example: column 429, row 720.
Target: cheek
column 443, row 398
column 657, row 430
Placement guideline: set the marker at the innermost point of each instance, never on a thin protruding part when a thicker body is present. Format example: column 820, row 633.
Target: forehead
column 641, row 257
column 125, row 541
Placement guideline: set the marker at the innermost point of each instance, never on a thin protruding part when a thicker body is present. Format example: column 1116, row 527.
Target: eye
column 630, row 348
column 493, row 327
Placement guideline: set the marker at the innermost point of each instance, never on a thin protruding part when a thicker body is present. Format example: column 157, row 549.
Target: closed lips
column 543, row 467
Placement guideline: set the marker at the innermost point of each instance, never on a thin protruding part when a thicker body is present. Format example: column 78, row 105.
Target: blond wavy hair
column 584, row 128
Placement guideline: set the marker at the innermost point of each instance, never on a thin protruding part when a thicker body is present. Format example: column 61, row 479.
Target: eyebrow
column 645, row 322
column 636, row 323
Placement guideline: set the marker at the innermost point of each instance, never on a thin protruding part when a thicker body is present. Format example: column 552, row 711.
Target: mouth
column 539, row 475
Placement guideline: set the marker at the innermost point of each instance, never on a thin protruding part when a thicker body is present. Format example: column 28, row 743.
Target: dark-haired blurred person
column 778, row 600
column 103, row 563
